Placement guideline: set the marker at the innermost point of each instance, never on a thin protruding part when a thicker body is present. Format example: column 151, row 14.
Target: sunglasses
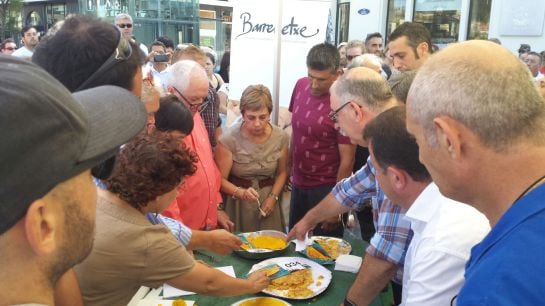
column 10, row 48
column 121, row 53
column 195, row 107
column 334, row 114
column 124, row 25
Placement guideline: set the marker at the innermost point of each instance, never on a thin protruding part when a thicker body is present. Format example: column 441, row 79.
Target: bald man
column 356, row 98
column 483, row 141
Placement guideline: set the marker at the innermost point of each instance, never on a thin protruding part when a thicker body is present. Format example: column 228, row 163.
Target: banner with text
column 254, row 43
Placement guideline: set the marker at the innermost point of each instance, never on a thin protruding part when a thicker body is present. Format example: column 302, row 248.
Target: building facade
column 513, row 22
column 178, row 19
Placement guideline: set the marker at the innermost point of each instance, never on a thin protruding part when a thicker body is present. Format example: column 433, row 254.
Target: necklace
column 534, row 184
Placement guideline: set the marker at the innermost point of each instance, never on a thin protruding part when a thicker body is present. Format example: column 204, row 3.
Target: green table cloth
column 333, row 295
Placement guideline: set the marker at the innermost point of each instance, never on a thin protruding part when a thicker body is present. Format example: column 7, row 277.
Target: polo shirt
column 507, row 267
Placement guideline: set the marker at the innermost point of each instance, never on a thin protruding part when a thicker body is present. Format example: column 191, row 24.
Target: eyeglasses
column 10, row 48
column 194, row 107
column 351, row 57
column 124, row 25
column 122, row 52
column 334, row 114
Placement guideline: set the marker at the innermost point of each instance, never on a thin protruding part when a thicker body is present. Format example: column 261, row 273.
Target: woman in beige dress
column 252, row 157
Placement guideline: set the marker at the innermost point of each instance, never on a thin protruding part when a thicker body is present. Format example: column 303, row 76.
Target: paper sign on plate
column 169, row 291
column 321, row 277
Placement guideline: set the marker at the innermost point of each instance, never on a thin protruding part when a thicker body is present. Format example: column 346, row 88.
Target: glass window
column 442, row 18
column 479, row 19
column 55, row 13
column 396, row 15
column 343, row 20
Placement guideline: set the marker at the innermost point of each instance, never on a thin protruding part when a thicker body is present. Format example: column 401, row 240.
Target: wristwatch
column 221, row 206
column 274, row 196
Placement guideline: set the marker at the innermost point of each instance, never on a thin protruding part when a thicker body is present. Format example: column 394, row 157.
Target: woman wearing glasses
column 129, row 251
column 252, row 157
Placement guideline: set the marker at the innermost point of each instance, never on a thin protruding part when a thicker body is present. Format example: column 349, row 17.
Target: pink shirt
column 199, row 195
column 315, row 141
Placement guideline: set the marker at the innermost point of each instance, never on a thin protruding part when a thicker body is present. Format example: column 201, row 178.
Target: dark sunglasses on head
column 124, row 25
column 121, row 53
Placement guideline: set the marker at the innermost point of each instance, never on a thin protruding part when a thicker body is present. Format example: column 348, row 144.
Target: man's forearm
column 327, row 208
column 347, row 153
column 373, row 276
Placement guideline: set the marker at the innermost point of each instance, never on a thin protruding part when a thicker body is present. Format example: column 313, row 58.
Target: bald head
column 484, row 87
column 185, row 71
column 366, row 87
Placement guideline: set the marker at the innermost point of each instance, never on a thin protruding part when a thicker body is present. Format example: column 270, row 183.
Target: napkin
column 348, row 263
column 169, row 291
column 301, row 245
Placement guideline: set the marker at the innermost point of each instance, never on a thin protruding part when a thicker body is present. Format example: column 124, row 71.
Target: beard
column 78, row 233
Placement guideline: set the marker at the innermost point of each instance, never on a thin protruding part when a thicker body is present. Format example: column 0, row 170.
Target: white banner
column 270, row 41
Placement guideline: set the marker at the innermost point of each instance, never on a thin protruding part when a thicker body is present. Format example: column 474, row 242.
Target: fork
column 264, row 214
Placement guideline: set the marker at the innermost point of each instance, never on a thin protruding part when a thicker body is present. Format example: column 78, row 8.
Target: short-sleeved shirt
column 198, row 197
column 393, row 233
column 128, row 252
column 506, row 268
column 315, row 141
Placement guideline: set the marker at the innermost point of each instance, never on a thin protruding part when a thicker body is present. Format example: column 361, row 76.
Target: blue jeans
column 303, row 200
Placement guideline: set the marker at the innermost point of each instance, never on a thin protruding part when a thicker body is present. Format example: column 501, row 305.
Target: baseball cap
column 49, row 135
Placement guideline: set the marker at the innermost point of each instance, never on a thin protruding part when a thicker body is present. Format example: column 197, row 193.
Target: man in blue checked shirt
column 356, row 98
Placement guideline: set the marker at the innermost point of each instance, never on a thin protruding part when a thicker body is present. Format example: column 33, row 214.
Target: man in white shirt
column 444, row 230
column 30, row 39
column 156, row 68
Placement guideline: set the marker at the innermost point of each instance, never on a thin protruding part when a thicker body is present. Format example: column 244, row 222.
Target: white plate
column 258, row 298
column 344, row 246
column 296, row 263
column 162, row 302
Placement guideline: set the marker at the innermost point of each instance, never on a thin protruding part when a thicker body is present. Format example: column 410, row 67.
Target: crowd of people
column 117, row 165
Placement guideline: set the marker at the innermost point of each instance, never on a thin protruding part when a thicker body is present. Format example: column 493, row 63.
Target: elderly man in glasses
column 199, row 197
column 356, row 98
column 124, row 23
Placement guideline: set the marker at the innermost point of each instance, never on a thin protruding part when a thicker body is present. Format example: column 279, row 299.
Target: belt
column 249, row 183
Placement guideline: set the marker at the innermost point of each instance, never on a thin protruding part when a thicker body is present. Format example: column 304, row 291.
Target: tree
column 10, row 10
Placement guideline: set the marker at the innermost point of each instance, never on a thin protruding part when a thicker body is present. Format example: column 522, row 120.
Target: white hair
column 122, row 16
column 181, row 73
column 362, row 60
